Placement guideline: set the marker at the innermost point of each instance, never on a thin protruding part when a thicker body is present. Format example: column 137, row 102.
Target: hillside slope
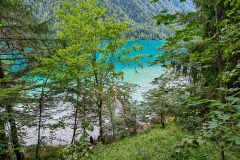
column 137, row 12
column 154, row 144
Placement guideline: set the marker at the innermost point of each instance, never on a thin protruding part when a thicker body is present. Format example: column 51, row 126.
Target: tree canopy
column 203, row 59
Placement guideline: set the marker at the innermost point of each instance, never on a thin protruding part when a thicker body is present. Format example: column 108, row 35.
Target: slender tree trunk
column 12, row 122
column 219, row 54
column 162, row 120
column 75, row 126
column 99, row 101
column 219, row 59
column 222, row 153
column 84, row 115
column 84, row 124
column 112, row 123
column 76, row 114
column 39, row 129
column 3, row 141
column 100, row 121
column 40, row 119
column 14, row 134
column 3, row 137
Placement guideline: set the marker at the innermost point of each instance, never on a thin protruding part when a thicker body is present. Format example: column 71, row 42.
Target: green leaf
column 236, row 139
column 218, row 1
column 225, row 117
column 232, row 98
column 178, row 150
column 218, row 113
column 212, row 124
column 238, row 125
column 188, row 140
column 230, row 13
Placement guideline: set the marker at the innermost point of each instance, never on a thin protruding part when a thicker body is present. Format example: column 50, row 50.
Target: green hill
column 138, row 13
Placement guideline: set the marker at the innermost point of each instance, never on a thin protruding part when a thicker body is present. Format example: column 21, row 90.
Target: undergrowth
column 153, row 144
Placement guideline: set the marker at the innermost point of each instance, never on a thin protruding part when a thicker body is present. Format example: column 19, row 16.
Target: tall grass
column 154, row 144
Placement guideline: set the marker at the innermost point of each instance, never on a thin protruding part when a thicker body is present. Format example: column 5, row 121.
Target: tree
column 85, row 66
column 21, row 40
column 206, row 51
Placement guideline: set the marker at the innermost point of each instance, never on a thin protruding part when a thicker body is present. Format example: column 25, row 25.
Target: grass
column 46, row 153
column 153, row 144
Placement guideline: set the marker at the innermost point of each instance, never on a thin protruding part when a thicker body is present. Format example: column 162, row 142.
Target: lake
column 145, row 75
column 142, row 78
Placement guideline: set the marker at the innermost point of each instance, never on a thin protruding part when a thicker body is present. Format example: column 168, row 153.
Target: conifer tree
column 21, row 42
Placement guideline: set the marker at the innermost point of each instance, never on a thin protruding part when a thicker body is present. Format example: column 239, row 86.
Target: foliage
column 137, row 12
column 204, row 56
column 76, row 151
column 22, row 40
column 155, row 143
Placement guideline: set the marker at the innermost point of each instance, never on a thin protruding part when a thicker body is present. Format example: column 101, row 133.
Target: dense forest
column 58, row 74
column 138, row 13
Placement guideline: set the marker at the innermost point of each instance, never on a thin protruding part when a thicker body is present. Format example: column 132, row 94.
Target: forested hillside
column 64, row 87
column 138, row 13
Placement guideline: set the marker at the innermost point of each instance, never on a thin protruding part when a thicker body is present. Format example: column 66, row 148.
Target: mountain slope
column 138, row 13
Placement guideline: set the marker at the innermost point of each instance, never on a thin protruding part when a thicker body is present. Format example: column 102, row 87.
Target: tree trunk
column 75, row 126
column 3, row 137
column 219, row 54
column 14, row 134
column 162, row 120
column 12, row 122
column 100, row 121
column 84, row 115
column 76, row 114
column 3, row 141
column 219, row 59
column 39, row 129
column 99, row 101
column 111, row 120
column 40, row 119
column 222, row 153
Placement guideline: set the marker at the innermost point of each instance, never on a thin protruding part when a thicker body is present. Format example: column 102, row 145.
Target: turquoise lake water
column 142, row 78
column 145, row 75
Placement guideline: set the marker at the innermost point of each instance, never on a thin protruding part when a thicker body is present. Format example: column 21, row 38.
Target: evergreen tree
column 21, row 42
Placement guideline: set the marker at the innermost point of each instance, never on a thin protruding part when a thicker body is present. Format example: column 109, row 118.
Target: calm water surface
column 142, row 78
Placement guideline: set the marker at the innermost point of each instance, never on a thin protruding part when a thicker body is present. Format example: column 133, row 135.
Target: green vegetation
column 138, row 13
column 67, row 67
column 19, row 30
column 155, row 143
column 203, row 69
